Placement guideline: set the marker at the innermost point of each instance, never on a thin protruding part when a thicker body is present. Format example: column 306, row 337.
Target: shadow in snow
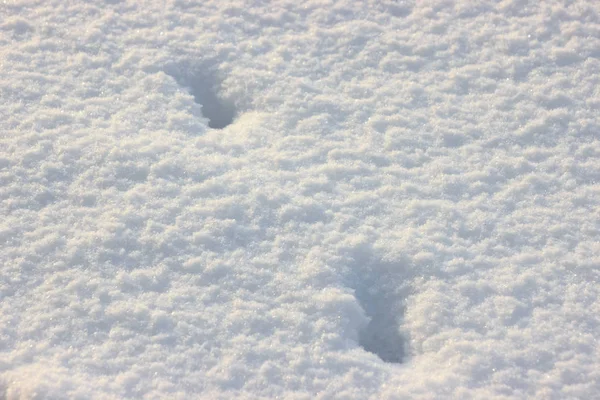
column 203, row 84
column 381, row 289
column 382, row 335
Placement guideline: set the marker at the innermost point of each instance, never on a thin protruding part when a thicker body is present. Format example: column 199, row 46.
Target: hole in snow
column 203, row 85
column 380, row 287
column 219, row 112
column 382, row 335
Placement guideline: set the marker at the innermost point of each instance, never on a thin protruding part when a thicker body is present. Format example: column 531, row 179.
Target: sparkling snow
column 299, row 199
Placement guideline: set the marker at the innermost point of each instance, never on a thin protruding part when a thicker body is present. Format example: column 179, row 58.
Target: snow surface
column 299, row 199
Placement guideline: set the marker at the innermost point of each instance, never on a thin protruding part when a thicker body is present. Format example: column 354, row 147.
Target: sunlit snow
column 319, row 199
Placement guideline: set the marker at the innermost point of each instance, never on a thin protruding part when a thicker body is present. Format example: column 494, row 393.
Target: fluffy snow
column 299, row 200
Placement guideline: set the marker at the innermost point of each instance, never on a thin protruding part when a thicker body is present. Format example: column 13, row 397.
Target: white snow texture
column 299, row 199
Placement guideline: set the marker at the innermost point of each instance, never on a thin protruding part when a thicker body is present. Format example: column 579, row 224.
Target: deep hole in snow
column 204, row 86
column 219, row 112
column 380, row 287
column 382, row 335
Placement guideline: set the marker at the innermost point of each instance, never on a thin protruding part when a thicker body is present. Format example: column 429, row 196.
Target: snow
column 299, row 200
